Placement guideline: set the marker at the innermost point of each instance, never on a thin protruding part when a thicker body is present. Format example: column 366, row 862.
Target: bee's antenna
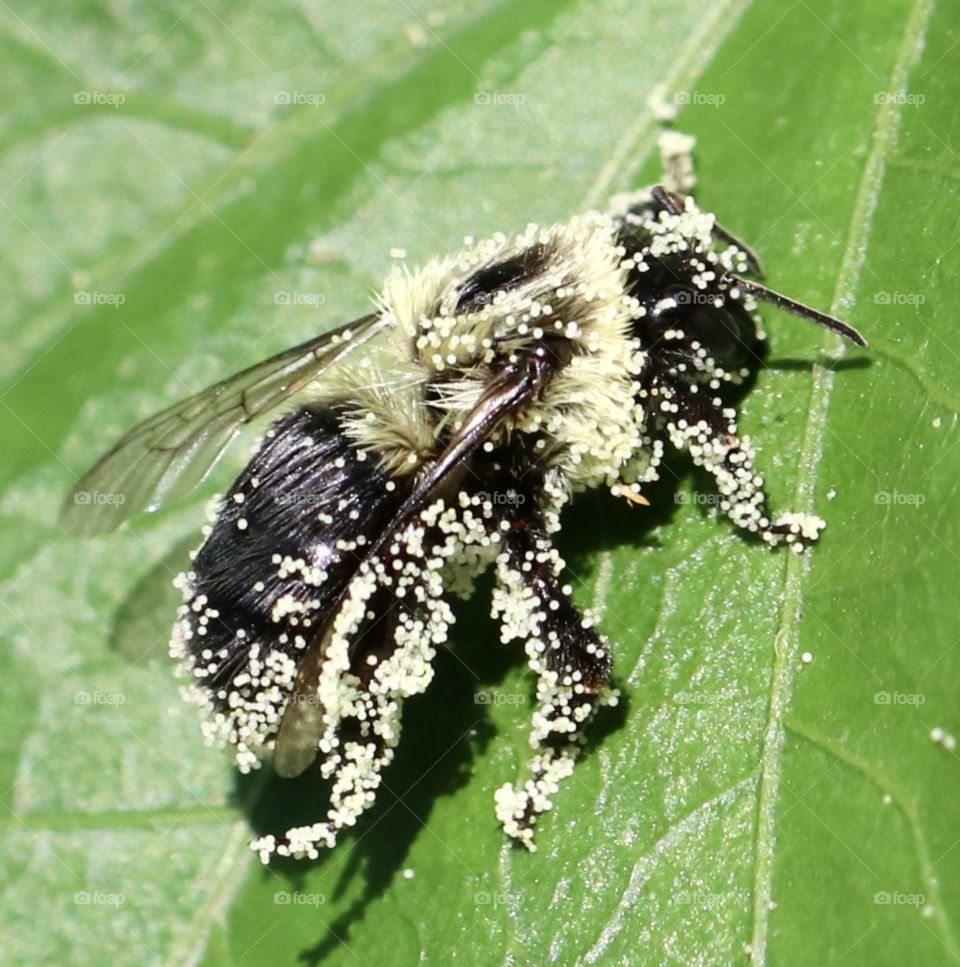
column 761, row 292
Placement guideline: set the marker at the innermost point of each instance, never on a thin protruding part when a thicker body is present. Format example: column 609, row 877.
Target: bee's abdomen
column 289, row 536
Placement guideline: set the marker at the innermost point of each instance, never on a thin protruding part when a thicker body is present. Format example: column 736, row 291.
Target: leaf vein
column 886, row 133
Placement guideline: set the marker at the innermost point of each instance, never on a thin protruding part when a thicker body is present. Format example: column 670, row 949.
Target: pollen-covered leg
column 699, row 423
column 378, row 652
column 569, row 656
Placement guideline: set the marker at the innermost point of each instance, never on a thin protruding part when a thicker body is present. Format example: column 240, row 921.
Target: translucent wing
column 166, row 456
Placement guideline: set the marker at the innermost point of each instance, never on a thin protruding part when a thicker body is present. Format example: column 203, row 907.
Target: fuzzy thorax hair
column 458, row 320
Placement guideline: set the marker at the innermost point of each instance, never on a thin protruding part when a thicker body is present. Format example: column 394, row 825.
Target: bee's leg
column 700, row 424
column 569, row 656
column 377, row 651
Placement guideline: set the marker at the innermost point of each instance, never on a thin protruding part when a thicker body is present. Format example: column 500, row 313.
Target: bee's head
column 683, row 281
column 687, row 273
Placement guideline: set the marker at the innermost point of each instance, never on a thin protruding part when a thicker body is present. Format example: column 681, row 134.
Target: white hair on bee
column 440, row 333
column 504, row 379
column 388, row 417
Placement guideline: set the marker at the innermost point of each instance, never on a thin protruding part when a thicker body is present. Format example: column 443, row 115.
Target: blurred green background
column 189, row 187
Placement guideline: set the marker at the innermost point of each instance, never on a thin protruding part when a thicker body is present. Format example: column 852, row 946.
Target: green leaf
column 781, row 780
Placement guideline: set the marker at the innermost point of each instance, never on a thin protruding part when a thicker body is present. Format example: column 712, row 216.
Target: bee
column 495, row 384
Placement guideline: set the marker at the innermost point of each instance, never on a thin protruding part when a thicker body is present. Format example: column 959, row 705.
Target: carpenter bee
column 495, row 384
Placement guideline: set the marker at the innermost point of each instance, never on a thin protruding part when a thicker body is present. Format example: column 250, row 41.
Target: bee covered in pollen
column 495, row 384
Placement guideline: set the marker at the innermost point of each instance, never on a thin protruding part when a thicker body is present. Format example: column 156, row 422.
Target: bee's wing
column 303, row 722
column 168, row 454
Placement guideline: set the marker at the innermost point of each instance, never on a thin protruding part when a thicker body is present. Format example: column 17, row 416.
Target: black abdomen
column 288, row 538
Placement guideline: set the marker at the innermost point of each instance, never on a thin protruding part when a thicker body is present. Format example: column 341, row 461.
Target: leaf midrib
column 787, row 642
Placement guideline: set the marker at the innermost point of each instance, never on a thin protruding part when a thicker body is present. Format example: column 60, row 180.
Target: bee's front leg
column 702, row 425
